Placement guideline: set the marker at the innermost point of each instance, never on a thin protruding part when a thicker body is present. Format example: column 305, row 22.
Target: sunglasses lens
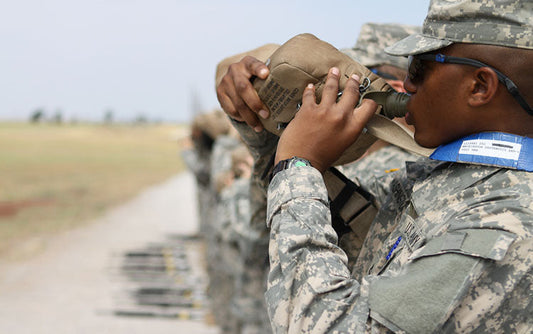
column 416, row 70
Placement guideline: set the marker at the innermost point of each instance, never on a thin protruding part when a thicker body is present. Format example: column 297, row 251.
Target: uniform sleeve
column 309, row 285
column 190, row 158
column 262, row 146
column 199, row 167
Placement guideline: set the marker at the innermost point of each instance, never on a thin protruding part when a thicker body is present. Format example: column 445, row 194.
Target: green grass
column 56, row 177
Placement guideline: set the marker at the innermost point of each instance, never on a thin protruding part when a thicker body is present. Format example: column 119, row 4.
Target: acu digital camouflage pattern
column 221, row 254
column 262, row 146
column 495, row 22
column 372, row 40
column 449, row 252
column 374, row 173
column 237, row 253
column 240, row 304
column 198, row 162
column 248, row 302
column 221, row 164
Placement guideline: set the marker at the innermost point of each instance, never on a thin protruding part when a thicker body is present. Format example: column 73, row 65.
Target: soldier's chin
column 424, row 141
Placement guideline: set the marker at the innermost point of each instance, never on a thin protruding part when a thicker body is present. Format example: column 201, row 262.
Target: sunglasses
column 383, row 75
column 416, row 72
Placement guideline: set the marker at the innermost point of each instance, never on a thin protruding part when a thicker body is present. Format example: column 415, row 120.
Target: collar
column 490, row 149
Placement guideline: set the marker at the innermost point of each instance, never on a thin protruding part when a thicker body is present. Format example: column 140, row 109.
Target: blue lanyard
column 489, row 148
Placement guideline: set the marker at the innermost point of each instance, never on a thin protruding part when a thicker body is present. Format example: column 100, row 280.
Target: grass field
column 56, row 177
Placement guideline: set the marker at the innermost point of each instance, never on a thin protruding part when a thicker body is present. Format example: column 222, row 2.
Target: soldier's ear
column 483, row 87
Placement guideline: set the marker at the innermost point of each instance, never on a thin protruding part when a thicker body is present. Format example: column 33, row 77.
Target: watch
column 289, row 163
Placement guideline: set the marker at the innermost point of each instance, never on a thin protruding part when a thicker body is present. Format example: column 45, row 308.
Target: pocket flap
column 483, row 243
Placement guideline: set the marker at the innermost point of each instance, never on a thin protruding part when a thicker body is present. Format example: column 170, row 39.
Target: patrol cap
column 374, row 38
column 214, row 123
column 506, row 23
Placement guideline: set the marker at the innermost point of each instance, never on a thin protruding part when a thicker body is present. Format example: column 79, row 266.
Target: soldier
column 208, row 160
column 450, row 249
column 247, row 301
column 229, row 238
column 221, row 253
column 233, row 281
column 205, row 129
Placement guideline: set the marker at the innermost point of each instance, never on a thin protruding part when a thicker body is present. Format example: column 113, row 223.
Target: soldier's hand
column 321, row 132
column 237, row 95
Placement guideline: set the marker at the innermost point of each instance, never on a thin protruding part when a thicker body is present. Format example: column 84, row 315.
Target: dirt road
column 74, row 285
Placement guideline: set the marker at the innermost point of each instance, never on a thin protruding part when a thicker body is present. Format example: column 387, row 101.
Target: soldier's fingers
column 249, row 96
column 228, row 97
column 227, row 105
column 331, row 87
column 246, row 102
column 251, row 119
column 362, row 114
column 256, row 67
column 350, row 95
column 243, row 111
column 308, row 96
column 240, row 74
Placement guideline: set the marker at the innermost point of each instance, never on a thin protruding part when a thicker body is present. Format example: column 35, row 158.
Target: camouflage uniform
column 225, row 258
column 373, row 173
column 374, row 38
column 235, row 282
column 457, row 236
column 198, row 161
column 210, row 163
column 222, row 253
column 255, row 248
column 250, row 286
column 450, row 249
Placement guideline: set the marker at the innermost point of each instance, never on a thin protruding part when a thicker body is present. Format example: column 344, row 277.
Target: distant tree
column 109, row 116
column 140, row 119
column 58, row 117
column 37, row 115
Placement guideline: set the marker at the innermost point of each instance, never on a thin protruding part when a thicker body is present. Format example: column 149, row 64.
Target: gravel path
column 74, row 286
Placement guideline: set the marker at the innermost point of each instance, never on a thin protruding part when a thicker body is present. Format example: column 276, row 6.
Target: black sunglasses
column 416, row 72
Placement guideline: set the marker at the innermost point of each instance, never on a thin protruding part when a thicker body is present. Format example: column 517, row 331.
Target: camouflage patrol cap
column 214, row 123
column 494, row 22
column 373, row 39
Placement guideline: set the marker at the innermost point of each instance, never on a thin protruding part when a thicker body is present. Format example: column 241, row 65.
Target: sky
column 154, row 58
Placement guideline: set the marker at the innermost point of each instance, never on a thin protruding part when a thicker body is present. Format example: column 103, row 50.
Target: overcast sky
column 151, row 57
